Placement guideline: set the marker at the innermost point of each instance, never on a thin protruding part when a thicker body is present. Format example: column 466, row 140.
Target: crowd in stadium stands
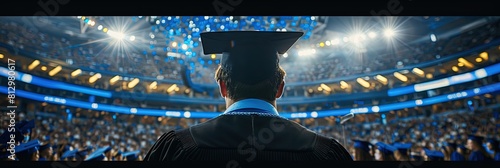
column 134, row 62
column 85, row 131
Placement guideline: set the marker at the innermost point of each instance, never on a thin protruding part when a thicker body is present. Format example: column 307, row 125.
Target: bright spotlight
column 184, row 46
column 306, row 52
column 116, row 35
column 285, row 55
column 99, row 27
column 174, row 44
column 372, row 34
column 389, row 33
column 132, row 38
column 433, row 38
column 335, row 41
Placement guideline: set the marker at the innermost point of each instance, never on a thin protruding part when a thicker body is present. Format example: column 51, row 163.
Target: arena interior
column 74, row 85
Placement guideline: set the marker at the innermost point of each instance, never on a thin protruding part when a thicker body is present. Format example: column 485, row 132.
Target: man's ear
column 280, row 89
column 222, row 88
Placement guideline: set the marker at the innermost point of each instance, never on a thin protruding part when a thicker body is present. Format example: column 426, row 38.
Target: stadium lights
column 76, row 72
column 33, row 64
column 55, row 70
column 429, row 76
column 454, row 68
column 465, row 62
column 43, row 68
column 114, row 79
column 433, row 37
column 343, row 85
column 94, row 78
column 306, row 52
column 381, row 79
column 372, row 35
column 174, row 44
column 389, row 33
column 418, row 72
column 132, row 38
column 325, row 87
column 172, row 88
column 363, row 83
column 460, row 64
column 1, row 56
column 285, row 55
column 484, row 55
column 479, row 59
column 133, row 83
column 320, row 88
column 116, row 35
column 153, row 85
column 335, row 41
column 400, row 76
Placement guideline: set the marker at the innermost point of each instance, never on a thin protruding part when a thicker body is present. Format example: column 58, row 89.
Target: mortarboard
column 98, row 155
column 462, row 147
column 385, row 148
column 69, row 154
column 131, row 156
column 118, row 153
column 44, row 146
column 364, row 145
column 82, row 153
column 251, row 56
column 450, row 144
column 493, row 142
column 26, row 126
column 475, row 138
column 402, row 147
column 433, row 154
column 25, row 151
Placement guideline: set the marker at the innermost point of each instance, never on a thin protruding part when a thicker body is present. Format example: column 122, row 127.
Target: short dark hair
column 264, row 90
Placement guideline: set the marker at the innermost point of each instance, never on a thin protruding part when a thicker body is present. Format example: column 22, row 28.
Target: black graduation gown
column 246, row 138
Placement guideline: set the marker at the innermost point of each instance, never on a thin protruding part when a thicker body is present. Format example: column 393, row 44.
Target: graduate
column 452, row 151
column 28, row 151
column 250, row 79
column 494, row 146
column 45, row 152
column 385, row 152
column 403, row 151
column 99, row 154
column 433, row 155
column 362, row 151
column 462, row 150
column 478, row 152
column 131, row 156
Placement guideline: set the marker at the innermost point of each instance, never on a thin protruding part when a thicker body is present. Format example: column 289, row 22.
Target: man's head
column 269, row 89
column 250, row 62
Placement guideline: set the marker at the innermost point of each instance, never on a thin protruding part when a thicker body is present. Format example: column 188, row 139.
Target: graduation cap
column 493, row 142
column 131, row 156
column 44, row 146
column 118, row 153
column 251, row 56
column 385, row 148
column 97, row 155
column 25, row 151
column 26, row 126
column 450, row 144
column 415, row 156
column 433, row 154
column 462, row 147
column 364, row 145
column 69, row 154
column 82, row 153
column 475, row 138
column 403, row 147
